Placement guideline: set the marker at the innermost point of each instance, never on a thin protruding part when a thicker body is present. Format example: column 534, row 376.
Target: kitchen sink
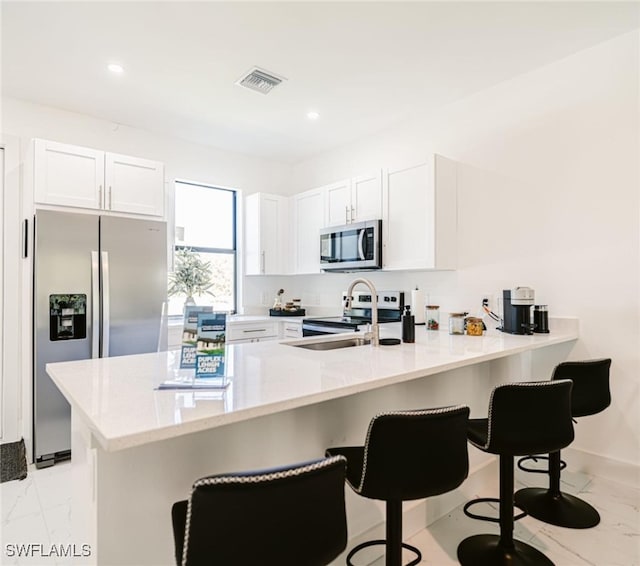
column 333, row 344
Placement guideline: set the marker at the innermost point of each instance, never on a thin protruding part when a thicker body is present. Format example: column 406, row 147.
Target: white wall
column 549, row 198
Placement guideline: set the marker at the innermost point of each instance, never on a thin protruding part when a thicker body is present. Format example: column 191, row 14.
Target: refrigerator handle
column 105, row 304
column 95, row 306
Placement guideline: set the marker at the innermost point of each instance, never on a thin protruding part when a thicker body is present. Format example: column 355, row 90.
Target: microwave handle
column 361, row 243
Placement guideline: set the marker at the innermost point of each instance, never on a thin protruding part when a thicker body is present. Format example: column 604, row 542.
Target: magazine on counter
column 190, row 334
column 210, row 348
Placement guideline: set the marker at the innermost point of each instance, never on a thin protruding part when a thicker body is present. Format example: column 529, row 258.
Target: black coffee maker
column 517, row 305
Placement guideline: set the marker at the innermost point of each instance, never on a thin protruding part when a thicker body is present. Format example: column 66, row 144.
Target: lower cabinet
column 291, row 329
column 243, row 332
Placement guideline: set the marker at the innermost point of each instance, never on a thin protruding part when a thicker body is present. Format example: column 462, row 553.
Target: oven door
column 319, row 329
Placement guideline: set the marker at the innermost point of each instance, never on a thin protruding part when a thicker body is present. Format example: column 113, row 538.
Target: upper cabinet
column 354, row 200
column 419, row 220
column 68, row 175
column 266, row 225
column 133, row 185
column 308, row 219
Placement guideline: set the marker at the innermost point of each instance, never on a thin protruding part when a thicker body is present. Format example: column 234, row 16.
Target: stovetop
column 389, row 305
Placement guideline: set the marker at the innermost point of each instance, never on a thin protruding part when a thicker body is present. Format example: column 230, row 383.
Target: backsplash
column 321, row 294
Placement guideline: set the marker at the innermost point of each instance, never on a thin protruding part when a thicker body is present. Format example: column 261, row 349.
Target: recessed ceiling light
column 313, row 115
column 115, row 68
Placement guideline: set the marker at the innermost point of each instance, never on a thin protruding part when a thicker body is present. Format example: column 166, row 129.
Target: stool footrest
column 486, row 517
column 521, row 461
column 358, row 548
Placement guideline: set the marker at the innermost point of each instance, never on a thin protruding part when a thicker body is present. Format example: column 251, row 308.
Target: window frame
column 204, row 249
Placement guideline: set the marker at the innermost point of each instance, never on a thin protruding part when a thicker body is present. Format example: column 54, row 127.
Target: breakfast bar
column 137, row 449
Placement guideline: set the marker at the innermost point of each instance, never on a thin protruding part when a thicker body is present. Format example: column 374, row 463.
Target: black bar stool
column 524, row 418
column 590, row 395
column 407, row 455
column 286, row 516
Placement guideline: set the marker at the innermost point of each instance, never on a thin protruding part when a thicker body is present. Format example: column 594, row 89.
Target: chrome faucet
column 374, row 333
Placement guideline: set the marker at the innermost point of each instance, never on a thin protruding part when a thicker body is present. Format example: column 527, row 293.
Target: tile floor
column 37, row 510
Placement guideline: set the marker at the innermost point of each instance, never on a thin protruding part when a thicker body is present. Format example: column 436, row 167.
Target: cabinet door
column 308, row 220
column 265, row 234
column 291, row 329
column 134, row 185
column 68, row 175
column 366, row 197
column 338, row 203
column 408, row 227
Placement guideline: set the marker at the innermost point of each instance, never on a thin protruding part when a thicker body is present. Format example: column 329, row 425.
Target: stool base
column 486, row 550
column 358, row 548
column 563, row 510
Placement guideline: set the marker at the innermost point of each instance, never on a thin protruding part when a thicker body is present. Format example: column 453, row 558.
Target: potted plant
column 191, row 275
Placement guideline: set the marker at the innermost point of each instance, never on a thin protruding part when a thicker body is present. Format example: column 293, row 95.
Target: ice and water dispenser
column 67, row 317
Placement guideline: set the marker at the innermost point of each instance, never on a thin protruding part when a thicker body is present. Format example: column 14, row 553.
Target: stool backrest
column 531, row 417
column 415, row 454
column 285, row 516
column 591, row 393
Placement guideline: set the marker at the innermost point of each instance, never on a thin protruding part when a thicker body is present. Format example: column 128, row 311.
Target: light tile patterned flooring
column 37, row 510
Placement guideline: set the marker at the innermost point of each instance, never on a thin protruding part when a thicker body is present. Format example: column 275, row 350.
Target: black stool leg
column 393, row 542
column 493, row 550
column 555, row 507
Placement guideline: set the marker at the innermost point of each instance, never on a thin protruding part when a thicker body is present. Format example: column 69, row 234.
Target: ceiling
column 364, row 66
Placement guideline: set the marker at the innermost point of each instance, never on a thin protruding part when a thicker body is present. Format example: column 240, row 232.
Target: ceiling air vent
column 260, row 80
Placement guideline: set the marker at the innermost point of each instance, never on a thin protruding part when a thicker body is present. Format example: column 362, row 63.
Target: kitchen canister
column 474, row 325
column 456, row 322
column 432, row 317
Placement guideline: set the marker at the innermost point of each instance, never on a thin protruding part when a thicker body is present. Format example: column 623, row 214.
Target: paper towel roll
column 417, row 305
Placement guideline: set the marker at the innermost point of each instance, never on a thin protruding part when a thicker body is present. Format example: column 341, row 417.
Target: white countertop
column 119, row 401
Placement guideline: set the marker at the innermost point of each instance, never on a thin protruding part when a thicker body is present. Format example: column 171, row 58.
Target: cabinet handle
column 100, row 203
column 109, row 197
column 352, row 213
column 346, row 215
column 255, row 330
column 262, row 262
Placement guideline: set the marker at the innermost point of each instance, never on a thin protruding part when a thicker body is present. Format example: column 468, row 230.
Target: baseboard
column 595, row 465
column 418, row 515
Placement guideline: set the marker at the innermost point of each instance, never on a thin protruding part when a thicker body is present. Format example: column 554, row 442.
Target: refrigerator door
column 63, row 314
column 134, row 282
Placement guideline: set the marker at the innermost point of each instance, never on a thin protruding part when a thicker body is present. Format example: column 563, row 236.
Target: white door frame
column 11, row 292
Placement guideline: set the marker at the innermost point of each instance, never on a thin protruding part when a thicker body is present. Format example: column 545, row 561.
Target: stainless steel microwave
column 352, row 246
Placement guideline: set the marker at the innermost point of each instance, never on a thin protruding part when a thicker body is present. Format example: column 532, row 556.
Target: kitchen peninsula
column 137, row 449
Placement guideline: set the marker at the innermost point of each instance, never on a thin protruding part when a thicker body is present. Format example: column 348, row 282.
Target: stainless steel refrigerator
column 100, row 287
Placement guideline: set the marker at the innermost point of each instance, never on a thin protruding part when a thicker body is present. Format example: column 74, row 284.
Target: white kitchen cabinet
column 69, row 175
column 266, row 229
column 243, row 332
column 308, row 219
column 291, row 329
column 354, row 200
column 338, row 203
column 133, row 185
column 419, row 219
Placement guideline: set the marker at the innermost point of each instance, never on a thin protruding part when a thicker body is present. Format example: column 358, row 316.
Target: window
column 205, row 220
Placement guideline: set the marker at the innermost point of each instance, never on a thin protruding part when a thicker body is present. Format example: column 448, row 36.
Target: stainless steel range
column 390, row 305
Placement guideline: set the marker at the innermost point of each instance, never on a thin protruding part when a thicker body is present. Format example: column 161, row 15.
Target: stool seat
column 521, row 416
column 287, row 516
column 407, row 455
column 590, row 395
